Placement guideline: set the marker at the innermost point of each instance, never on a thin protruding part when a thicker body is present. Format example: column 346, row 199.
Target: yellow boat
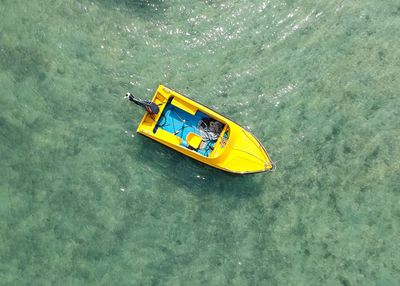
column 201, row 133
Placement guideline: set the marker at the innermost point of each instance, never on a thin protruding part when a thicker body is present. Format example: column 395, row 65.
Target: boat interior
column 185, row 125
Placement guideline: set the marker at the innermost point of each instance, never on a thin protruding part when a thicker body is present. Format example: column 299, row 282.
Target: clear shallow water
column 85, row 201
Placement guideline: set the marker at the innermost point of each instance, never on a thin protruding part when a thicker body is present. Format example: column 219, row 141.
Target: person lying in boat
column 210, row 129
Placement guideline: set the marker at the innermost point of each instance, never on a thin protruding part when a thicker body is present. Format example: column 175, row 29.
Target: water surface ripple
column 85, row 201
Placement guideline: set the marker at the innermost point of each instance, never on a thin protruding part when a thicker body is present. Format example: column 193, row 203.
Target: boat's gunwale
column 214, row 166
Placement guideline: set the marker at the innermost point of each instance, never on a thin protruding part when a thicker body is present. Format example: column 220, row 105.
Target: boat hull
column 235, row 150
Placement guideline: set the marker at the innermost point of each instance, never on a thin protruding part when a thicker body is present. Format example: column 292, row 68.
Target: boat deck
column 179, row 121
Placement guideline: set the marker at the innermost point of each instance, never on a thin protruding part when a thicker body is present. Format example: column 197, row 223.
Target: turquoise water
column 86, row 201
